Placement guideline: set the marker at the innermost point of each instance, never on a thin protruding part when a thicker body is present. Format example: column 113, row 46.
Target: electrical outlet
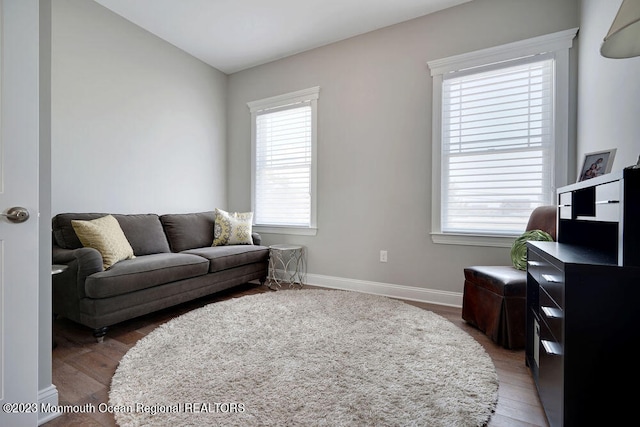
column 383, row 256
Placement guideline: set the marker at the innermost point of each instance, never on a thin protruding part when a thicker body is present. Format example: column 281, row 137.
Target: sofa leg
column 263, row 280
column 99, row 333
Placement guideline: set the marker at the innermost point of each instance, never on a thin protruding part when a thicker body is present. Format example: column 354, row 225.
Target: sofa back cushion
column 143, row 231
column 188, row 231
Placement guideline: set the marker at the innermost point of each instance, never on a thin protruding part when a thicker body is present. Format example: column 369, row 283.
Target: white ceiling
column 232, row 35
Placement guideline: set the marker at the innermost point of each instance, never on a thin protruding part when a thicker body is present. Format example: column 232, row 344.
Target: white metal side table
column 57, row 268
column 287, row 265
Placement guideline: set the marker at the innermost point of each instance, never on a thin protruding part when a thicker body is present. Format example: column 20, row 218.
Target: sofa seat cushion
column 226, row 257
column 144, row 272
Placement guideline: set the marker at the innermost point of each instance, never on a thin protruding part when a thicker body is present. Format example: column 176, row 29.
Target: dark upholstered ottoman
column 494, row 302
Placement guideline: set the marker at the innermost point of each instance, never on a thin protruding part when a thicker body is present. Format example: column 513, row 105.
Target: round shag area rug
column 306, row 358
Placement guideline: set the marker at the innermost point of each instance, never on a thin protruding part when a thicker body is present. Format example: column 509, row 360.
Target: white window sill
column 499, row 241
column 298, row 231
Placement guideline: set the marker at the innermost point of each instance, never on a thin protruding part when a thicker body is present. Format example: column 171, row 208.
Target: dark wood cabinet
column 603, row 214
column 582, row 300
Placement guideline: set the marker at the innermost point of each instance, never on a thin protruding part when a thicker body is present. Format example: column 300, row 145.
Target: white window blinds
column 497, row 145
column 283, row 165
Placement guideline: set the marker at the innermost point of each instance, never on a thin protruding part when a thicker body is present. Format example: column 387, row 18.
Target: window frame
column 556, row 45
column 310, row 95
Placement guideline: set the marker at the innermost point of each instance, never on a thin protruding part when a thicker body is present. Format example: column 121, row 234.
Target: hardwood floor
column 82, row 368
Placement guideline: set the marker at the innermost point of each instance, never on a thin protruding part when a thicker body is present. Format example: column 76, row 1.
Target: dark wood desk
column 583, row 296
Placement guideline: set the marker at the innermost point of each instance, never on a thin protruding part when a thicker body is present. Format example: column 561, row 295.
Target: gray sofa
column 174, row 263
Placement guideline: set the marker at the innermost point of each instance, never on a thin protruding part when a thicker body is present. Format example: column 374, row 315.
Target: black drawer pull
column 551, row 279
column 607, row 202
column 552, row 312
column 551, row 347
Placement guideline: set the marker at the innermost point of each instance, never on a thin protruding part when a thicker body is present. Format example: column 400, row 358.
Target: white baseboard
column 433, row 296
column 47, row 396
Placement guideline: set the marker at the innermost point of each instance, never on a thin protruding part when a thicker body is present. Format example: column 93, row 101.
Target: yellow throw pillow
column 105, row 235
column 232, row 228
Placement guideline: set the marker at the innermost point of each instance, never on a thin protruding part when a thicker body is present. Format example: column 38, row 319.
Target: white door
column 19, row 136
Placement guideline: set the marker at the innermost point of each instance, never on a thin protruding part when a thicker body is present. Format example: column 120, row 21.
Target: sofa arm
column 89, row 260
column 62, row 256
column 257, row 239
column 81, row 263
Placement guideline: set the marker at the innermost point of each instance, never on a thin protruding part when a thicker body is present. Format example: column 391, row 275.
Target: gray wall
column 137, row 124
column 140, row 126
column 609, row 91
column 374, row 152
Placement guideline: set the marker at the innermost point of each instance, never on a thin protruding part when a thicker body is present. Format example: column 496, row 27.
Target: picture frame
column 596, row 163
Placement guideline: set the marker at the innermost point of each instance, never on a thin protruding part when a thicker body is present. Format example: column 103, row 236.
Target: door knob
column 16, row 214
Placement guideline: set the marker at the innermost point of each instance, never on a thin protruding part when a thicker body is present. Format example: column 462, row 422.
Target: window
column 497, row 143
column 284, row 162
column 500, row 138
